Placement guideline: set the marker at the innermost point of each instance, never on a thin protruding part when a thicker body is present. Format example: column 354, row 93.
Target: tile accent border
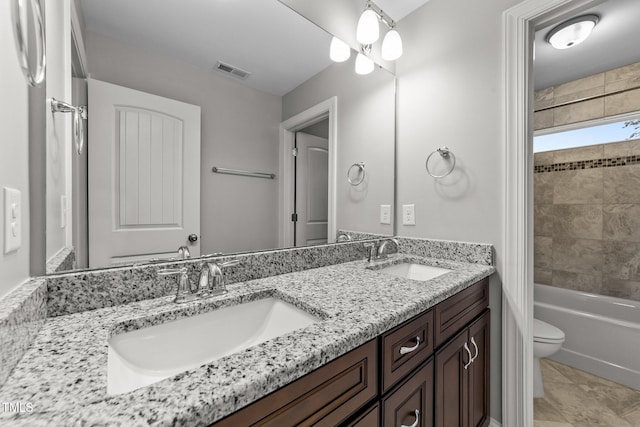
column 588, row 164
column 22, row 314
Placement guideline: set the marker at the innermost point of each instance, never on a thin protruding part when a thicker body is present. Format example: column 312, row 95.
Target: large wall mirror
column 222, row 126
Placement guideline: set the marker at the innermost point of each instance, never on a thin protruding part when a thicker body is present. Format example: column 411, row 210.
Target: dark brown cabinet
column 462, row 378
column 411, row 404
column 395, row 380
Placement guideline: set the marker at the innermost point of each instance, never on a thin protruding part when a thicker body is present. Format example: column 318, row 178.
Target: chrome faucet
column 212, row 281
column 381, row 249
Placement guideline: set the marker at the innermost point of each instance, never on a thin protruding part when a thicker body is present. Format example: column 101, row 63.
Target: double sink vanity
column 396, row 342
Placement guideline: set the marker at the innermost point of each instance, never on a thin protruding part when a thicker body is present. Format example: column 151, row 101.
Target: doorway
column 311, row 171
column 320, row 119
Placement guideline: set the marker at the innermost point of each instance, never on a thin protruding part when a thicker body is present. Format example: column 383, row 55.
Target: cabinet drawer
column 411, row 404
column 454, row 313
column 325, row 397
column 371, row 418
column 405, row 348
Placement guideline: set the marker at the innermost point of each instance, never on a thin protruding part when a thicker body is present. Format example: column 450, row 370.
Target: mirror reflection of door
column 144, row 175
column 311, row 185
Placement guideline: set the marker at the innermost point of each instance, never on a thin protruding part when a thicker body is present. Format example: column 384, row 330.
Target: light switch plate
column 12, row 220
column 385, row 214
column 409, row 214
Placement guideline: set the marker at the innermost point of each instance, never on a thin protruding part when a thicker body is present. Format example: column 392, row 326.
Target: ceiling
column 279, row 47
column 613, row 43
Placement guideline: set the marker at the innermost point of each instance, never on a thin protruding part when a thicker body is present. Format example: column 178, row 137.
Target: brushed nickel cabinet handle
column 416, row 422
column 466, row 347
column 405, row 350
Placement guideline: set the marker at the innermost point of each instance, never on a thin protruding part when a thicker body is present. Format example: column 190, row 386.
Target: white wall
column 14, row 153
column 239, row 131
column 58, row 125
column 449, row 93
column 366, row 126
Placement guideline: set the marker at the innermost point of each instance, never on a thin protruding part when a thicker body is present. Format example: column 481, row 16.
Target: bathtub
column 602, row 333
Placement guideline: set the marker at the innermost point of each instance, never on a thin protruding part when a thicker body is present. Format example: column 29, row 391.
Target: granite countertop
column 64, row 373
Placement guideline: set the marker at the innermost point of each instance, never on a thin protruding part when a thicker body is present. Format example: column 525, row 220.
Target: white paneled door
column 144, row 175
column 312, row 186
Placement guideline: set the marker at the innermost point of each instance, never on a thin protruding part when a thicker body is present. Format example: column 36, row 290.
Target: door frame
column 288, row 128
column 519, row 24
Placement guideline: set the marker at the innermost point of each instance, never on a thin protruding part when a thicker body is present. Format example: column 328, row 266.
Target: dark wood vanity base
column 432, row 370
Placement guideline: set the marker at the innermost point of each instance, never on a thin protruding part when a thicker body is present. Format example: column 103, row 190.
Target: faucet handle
column 184, row 292
column 371, row 246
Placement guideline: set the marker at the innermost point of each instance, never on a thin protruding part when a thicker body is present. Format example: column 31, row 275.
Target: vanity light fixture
column 391, row 46
column 368, row 30
column 339, row 51
column 572, row 32
column 364, row 64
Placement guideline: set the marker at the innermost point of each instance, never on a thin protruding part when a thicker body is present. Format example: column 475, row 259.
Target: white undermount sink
column 148, row 355
column 409, row 270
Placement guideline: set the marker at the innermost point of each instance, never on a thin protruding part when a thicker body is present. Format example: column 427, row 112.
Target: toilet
column 547, row 340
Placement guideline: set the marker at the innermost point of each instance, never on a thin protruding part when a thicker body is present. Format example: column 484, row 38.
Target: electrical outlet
column 12, row 220
column 409, row 214
column 385, row 214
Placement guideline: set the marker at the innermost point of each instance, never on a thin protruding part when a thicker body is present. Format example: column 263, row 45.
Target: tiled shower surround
column 587, row 219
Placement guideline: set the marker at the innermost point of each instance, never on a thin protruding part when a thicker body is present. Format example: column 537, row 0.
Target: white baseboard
column 494, row 423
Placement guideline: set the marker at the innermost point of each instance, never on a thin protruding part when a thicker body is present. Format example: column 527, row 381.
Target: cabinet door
column 479, row 372
column 371, row 418
column 451, row 401
column 411, row 404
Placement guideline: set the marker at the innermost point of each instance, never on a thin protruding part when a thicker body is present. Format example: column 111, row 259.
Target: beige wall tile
column 545, row 158
column 621, row 260
column 620, row 103
column 578, row 95
column 580, row 221
column 622, row 73
column 543, row 119
column 542, row 252
column 578, row 186
column 541, row 275
column 579, row 112
column 591, row 282
column 543, row 220
column 592, row 152
column 622, row 184
column 577, row 255
column 624, row 148
column 576, row 86
column 622, row 84
column 543, row 187
column 627, row 289
column 543, row 98
column 621, row 222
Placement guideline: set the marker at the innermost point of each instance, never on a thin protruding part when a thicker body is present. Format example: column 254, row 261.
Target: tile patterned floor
column 575, row 398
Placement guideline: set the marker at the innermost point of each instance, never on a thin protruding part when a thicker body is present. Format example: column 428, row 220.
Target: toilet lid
column 544, row 332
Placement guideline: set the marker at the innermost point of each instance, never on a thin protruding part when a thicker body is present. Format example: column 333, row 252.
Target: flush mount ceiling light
column 572, row 32
column 339, row 51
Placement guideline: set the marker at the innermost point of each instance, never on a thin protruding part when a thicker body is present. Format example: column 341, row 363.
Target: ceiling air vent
column 232, row 71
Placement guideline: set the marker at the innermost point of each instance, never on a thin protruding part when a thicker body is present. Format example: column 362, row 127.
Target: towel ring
column 445, row 153
column 360, row 166
column 21, row 41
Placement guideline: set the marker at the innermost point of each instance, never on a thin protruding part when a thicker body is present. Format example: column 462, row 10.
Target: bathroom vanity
column 385, row 349
column 392, row 379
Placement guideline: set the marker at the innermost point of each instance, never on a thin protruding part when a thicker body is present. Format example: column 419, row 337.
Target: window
column 594, row 134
